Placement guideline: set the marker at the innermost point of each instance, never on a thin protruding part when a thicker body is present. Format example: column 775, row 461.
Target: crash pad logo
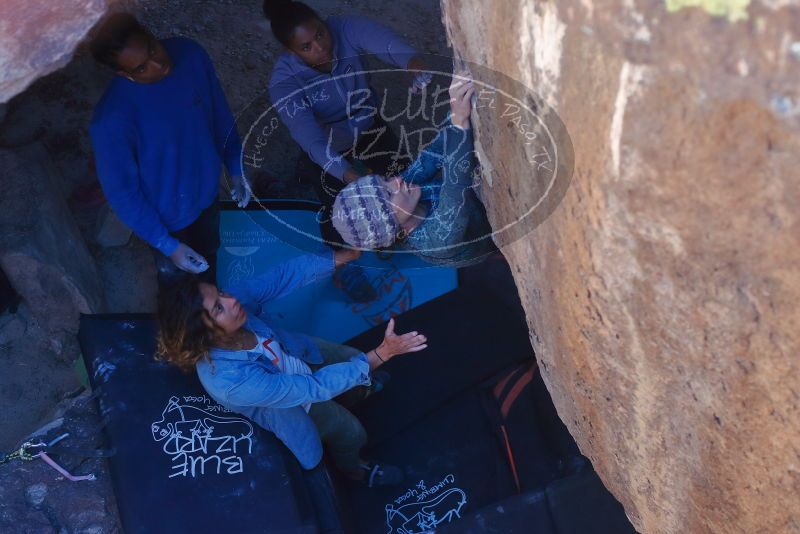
column 240, row 269
column 422, row 508
column 202, row 441
column 392, row 297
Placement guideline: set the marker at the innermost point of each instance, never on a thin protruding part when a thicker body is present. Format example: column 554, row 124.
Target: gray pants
column 339, row 430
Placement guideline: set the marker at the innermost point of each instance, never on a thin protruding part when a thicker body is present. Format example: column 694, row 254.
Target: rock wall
column 36, row 41
column 41, row 248
column 662, row 292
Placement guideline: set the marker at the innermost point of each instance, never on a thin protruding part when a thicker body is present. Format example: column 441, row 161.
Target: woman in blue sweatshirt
column 161, row 133
column 322, row 93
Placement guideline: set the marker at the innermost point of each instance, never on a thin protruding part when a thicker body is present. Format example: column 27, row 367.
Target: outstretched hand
column 420, row 77
column 394, row 344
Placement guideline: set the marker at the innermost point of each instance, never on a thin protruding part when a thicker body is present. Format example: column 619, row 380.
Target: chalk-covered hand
column 420, row 77
column 461, row 91
column 186, row 259
column 421, row 81
column 241, row 191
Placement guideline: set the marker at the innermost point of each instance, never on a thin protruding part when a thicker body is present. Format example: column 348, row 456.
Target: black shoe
column 382, row 475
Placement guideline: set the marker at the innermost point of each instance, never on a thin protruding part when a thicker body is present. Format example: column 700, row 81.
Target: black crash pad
column 182, row 463
column 470, row 339
column 520, row 514
column 575, row 504
column 453, row 465
column 580, row 503
column 446, row 418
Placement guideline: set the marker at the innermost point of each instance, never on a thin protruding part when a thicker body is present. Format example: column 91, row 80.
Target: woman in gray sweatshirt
column 321, row 92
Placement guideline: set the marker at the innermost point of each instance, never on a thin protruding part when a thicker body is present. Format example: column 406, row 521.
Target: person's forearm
column 232, row 157
column 461, row 122
column 226, row 134
column 458, row 143
column 142, row 219
column 118, row 171
column 376, row 358
column 329, row 160
column 375, row 38
column 287, row 391
column 345, row 256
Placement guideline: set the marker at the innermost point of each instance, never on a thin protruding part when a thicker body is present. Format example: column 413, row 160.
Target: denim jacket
column 246, row 382
column 456, row 232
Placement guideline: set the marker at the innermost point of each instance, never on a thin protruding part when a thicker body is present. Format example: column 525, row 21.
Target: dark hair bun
column 273, row 8
column 285, row 16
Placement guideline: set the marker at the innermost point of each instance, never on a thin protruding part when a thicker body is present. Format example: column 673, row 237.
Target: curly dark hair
column 111, row 36
column 183, row 337
column 285, row 16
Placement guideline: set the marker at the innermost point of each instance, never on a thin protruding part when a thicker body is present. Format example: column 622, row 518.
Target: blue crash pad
column 275, row 231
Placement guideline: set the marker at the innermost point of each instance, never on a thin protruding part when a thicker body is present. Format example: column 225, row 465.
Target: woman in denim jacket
column 280, row 380
column 436, row 215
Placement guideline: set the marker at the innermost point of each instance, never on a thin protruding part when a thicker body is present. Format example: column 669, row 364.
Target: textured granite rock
column 662, row 292
column 109, row 230
column 36, row 41
column 41, row 249
column 36, row 498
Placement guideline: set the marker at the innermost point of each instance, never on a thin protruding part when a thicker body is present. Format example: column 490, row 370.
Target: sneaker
column 382, row 475
column 354, row 282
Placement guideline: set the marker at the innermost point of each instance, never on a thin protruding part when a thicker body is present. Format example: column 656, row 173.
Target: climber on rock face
column 321, row 92
column 431, row 208
column 160, row 134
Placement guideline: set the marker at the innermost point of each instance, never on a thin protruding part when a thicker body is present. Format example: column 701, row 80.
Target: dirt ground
column 56, row 111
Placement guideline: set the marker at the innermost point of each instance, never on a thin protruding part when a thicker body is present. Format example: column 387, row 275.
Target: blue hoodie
column 159, row 147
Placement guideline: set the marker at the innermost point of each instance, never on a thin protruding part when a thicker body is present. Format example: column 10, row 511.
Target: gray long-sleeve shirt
column 325, row 112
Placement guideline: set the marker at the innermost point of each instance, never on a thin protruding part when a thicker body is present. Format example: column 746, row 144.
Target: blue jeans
column 424, row 170
column 456, row 231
